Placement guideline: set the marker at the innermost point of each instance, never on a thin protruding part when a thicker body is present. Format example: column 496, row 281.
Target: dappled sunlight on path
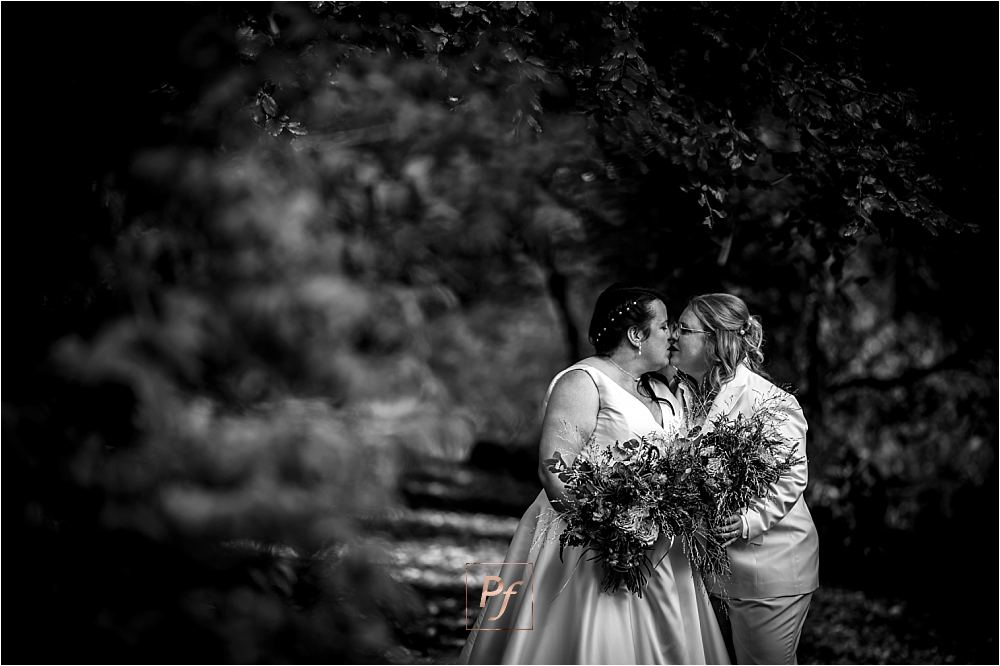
column 428, row 548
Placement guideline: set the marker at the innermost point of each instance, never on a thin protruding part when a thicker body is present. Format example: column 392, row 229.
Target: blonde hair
column 734, row 336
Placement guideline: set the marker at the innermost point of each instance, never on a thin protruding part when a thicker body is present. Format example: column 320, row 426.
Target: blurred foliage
column 279, row 252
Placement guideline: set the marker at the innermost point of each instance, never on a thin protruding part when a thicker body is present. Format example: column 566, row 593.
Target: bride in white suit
column 774, row 547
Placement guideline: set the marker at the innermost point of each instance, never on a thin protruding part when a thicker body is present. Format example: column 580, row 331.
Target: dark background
column 240, row 358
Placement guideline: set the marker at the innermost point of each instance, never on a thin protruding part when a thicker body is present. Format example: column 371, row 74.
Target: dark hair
column 734, row 336
column 618, row 308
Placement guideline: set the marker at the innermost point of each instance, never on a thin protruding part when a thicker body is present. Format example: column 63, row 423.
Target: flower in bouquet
column 685, row 504
column 621, row 498
column 648, row 532
column 741, row 458
column 609, row 508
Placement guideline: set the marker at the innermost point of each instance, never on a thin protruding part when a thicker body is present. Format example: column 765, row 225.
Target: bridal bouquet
column 621, row 498
column 740, row 460
column 613, row 493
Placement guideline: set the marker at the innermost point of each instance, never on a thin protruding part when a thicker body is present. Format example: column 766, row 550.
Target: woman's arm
column 570, row 419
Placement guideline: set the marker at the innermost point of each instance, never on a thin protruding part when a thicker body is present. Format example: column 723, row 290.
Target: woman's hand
column 729, row 530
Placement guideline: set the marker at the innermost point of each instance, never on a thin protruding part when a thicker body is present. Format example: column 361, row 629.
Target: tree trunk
column 539, row 247
column 813, row 365
column 557, row 286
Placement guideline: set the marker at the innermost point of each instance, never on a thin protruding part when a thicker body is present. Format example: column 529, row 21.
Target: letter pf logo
column 505, row 601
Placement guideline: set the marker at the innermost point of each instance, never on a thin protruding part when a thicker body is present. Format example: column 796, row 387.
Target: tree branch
column 587, row 214
column 954, row 361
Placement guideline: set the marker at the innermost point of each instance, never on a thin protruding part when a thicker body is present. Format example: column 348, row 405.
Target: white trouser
column 763, row 631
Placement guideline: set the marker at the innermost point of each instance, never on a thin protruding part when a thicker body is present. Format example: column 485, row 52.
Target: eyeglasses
column 685, row 330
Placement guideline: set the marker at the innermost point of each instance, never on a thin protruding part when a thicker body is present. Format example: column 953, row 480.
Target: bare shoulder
column 572, row 408
column 574, row 386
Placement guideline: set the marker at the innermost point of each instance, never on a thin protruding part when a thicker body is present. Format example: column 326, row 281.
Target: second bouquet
column 622, row 497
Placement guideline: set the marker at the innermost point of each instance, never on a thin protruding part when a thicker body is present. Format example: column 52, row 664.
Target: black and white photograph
column 501, row 333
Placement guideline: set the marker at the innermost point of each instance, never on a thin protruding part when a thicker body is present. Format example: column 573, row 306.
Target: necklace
column 612, row 362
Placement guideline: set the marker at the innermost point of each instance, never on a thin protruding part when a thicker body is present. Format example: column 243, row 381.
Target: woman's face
column 689, row 349
column 656, row 347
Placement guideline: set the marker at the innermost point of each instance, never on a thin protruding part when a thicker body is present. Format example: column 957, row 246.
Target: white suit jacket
column 780, row 556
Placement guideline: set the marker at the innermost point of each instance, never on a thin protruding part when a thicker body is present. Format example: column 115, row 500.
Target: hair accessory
column 616, row 313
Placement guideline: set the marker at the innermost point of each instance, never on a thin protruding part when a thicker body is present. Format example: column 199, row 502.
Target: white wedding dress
column 571, row 620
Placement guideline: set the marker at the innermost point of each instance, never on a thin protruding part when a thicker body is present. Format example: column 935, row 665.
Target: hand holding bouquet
column 621, row 498
column 742, row 459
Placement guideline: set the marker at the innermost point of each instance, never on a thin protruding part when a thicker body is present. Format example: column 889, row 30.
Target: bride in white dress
column 563, row 616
